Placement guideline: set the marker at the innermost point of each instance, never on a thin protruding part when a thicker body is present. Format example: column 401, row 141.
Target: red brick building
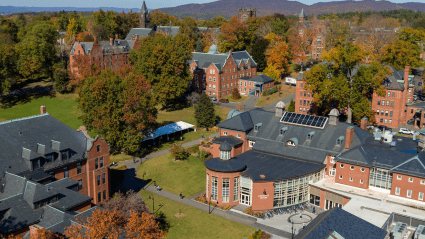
column 267, row 160
column 217, row 74
column 393, row 109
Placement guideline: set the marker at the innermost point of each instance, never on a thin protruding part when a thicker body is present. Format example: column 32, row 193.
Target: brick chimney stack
column 43, row 109
column 363, row 124
column 406, row 77
column 111, row 40
column 349, row 136
column 95, row 40
column 230, row 52
column 116, row 36
column 34, row 228
column 137, row 37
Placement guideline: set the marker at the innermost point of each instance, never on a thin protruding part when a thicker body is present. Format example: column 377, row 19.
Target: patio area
column 284, row 221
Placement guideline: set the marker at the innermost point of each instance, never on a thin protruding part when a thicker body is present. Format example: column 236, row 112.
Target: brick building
column 144, row 17
column 217, row 74
column 255, row 85
column 393, row 109
column 318, row 29
column 268, row 160
column 245, row 13
column 46, row 164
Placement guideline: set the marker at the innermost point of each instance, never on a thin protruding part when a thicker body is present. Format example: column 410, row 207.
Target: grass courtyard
column 242, row 99
column 265, row 100
column 187, row 177
column 194, row 223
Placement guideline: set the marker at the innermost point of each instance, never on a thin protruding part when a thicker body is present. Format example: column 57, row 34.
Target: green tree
column 162, row 61
column 205, row 112
column 259, row 53
column 178, row 152
column 234, row 36
column 291, row 106
column 21, row 21
column 235, row 94
column 199, row 47
column 337, row 83
column 8, row 73
column 61, row 79
column 120, row 107
column 280, row 25
column 419, row 23
column 37, row 52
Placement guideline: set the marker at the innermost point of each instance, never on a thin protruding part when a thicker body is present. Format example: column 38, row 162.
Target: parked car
column 383, row 128
column 224, row 100
column 370, row 127
column 213, row 98
column 420, row 84
column 405, row 131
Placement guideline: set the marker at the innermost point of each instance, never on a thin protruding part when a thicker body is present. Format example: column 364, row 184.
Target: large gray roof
column 169, row 31
column 142, row 32
column 15, row 135
column 259, row 78
column 204, row 60
column 118, row 46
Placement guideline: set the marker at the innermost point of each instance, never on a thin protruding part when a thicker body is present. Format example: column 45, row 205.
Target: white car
column 405, row 131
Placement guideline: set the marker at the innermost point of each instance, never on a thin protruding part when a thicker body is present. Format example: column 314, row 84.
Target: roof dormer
column 292, row 142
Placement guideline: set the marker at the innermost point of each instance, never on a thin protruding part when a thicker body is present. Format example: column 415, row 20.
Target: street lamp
column 292, row 230
column 153, row 204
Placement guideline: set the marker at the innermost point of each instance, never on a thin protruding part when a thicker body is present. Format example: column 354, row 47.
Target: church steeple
column 144, row 18
column 302, row 15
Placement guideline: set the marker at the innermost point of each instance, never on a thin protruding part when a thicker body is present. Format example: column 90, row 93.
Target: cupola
column 333, row 117
column 213, row 49
column 225, row 150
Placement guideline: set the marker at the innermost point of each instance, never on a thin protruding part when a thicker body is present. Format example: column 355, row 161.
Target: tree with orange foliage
column 234, row 35
column 85, row 37
column 81, row 69
column 300, row 39
column 112, row 225
column 278, row 53
column 45, row 234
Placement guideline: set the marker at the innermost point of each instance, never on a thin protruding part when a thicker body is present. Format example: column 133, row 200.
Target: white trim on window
column 351, row 179
column 333, row 159
column 361, row 181
column 340, row 176
column 421, row 196
column 398, row 177
column 362, row 169
column 397, row 191
column 352, row 167
column 251, row 143
column 422, row 181
column 332, row 172
column 409, row 193
column 225, row 133
column 341, row 165
column 410, row 180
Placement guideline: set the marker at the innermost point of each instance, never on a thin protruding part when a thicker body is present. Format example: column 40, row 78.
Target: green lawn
column 242, row 99
column 119, row 157
column 194, row 223
column 62, row 107
column 265, row 100
column 186, row 176
column 187, row 115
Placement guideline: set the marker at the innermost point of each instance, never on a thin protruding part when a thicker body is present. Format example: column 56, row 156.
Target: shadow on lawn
column 163, row 222
column 177, row 104
column 10, row 101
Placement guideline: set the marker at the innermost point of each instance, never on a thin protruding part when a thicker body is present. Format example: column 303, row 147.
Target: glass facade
column 225, row 155
column 225, row 190
column 214, row 188
column 294, row 191
column 380, row 178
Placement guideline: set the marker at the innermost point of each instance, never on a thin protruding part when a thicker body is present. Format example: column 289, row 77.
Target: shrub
column 121, row 167
column 203, row 154
column 252, row 213
column 259, row 235
column 203, row 199
column 266, row 93
column 178, row 152
column 195, row 148
column 235, row 94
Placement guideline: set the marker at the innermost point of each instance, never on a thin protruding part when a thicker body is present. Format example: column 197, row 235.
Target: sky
column 152, row 4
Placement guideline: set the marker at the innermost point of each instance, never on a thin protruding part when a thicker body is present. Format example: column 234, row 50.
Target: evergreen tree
column 259, row 53
column 199, row 47
column 61, row 78
column 291, row 107
column 204, row 112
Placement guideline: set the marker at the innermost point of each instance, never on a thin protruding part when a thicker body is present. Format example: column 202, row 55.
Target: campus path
column 131, row 182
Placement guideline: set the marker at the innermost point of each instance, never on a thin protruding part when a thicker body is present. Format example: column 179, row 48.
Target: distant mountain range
column 12, row 9
column 229, row 8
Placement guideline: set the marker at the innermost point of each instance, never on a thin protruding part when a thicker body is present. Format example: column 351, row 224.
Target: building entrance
column 245, row 199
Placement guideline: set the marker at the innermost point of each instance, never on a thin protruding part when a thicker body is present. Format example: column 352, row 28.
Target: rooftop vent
column 257, row 126
column 283, row 130
column 310, row 135
column 56, row 145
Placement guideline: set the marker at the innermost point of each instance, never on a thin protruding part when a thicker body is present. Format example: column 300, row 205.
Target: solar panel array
column 304, row 120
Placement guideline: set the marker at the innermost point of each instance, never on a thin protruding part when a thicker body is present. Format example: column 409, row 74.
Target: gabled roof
column 232, row 140
column 142, row 32
column 241, row 122
column 170, row 31
column 35, row 192
column 259, row 78
column 344, row 223
column 204, row 60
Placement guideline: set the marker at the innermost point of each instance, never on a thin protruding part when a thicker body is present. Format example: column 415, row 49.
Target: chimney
column 406, row 77
column 95, row 40
column 137, row 37
column 230, row 52
column 111, row 40
column 333, row 117
column 43, row 109
column 363, row 124
column 349, row 137
column 116, row 36
column 33, row 230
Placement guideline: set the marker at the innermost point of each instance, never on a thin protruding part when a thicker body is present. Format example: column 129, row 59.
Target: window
column 236, row 189
column 410, row 91
column 214, row 182
column 391, row 114
column 389, row 94
column 80, row 184
column 352, row 167
column 390, row 121
column 382, row 112
column 301, row 93
column 98, row 180
column 422, row 181
column 383, row 103
column 225, row 155
column 304, row 102
column 392, row 103
column 101, row 161
column 340, row 176
column 408, row 100
column 361, row 181
column 78, row 168
column 225, row 190
column 386, row 113
column 332, row 172
column 65, row 172
column 250, row 83
column 301, row 109
column 225, row 133
column 310, row 136
column 99, row 196
column 301, row 102
column 379, row 102
column 103, row 178
column 64, row 155
column 238, row 135
column 104, row 195
column 341, row 165
column 362, row 169
column 410, row 180
column 397, row 191
column 381, row 120
column 213, row 79
column 333, row 159
column 393, row 94
column 421, row 196
column 386, row 121
column 409, row 193
column 411, row 111
column 398, row 177
column 49, row 158
column 351, row 179
column 302, row 84
column 98, row 148
column 388, row 103
column 377, row 111
column 251, row 143
column 96, row 163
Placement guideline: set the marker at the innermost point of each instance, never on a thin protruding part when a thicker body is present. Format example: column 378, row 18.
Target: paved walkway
column 131, row 182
